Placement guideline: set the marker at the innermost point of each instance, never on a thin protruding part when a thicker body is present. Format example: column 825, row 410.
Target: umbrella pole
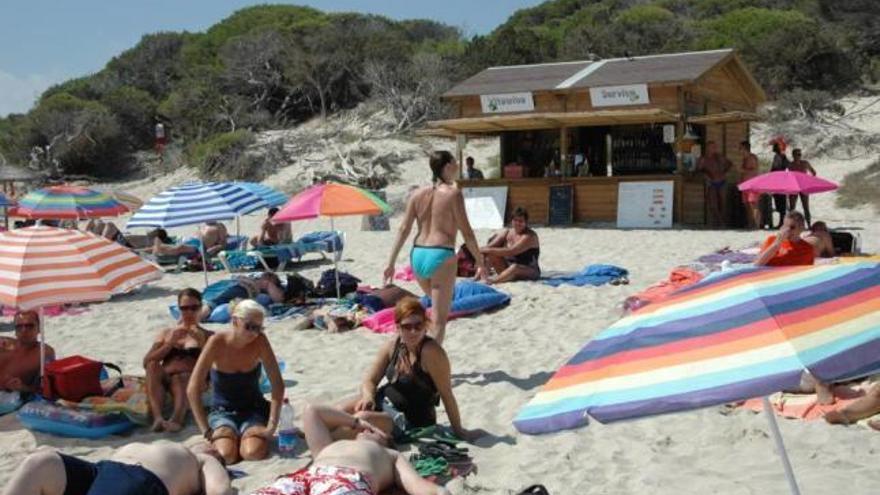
column 42, row 346
column 780, row 447
column 204, row 258
column 335, row 265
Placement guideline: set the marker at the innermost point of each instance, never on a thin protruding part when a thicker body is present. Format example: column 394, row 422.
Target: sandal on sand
column 535, row 490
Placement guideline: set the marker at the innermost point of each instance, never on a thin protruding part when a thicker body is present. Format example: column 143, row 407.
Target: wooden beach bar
column 595, row 141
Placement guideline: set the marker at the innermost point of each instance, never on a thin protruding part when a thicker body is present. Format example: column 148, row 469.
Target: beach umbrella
column 787, row 182
column 194, row 203
column 67, row 202
column 131, row 201
column 41, row 266
column 270, row 196
column 731, row 337
column 331, row 200
column 5, row 202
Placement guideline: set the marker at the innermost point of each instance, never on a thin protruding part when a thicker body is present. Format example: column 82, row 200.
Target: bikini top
column 183, row 352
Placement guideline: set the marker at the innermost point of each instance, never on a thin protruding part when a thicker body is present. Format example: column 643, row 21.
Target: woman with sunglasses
column 172, row 358
column 241, row 422
column 417, row 376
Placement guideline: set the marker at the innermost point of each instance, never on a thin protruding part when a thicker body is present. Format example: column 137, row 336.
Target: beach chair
column 276, row 258
column 233, row 242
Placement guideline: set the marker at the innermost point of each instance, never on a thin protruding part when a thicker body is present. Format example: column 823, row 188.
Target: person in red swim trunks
column 364, row 466
column 787, row 248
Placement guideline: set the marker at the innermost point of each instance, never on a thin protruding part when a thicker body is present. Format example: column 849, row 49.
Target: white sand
column 499, row 361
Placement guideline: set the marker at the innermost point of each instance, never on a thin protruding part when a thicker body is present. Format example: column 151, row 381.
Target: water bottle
column 286, row 431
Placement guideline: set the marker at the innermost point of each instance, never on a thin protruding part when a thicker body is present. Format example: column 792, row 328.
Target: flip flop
column 535, row 490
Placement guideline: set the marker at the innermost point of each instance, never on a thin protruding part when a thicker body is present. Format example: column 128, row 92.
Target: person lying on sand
column 861, row 408
column 245, row 288
column 241, row 422
column 417, row 374
column 161, row 468
column 171, row 359
column 363, row 466
column 819, row 237
column 272, row 233
column 787, row 248
column 212, row 235
column 20, row 357
column 513, row 253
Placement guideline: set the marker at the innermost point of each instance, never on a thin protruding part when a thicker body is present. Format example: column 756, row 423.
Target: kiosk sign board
column 485, row 206
column 617, row 96
column 644, row 205
column 505, row 103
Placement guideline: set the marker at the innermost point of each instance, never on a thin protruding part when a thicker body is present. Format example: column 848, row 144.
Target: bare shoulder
column 432, row 352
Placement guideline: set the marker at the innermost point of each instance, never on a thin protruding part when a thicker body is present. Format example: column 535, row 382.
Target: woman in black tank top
column 408, row 379
column 513, row 253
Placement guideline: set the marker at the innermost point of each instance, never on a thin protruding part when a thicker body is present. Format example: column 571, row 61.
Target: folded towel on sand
column 594, row 275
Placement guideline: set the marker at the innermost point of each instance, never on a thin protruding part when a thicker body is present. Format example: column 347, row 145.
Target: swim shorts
column 320, row 480
column 106, row 477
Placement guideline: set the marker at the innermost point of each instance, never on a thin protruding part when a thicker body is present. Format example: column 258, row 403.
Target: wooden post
column 680, row 128
column 563, row 152
column 460, row 142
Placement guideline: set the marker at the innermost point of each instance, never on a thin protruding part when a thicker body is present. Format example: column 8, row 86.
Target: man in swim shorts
column 715, row 166
column 161, row 468
column 364, row 466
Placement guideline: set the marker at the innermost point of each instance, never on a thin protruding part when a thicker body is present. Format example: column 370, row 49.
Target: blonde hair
column 243, row 308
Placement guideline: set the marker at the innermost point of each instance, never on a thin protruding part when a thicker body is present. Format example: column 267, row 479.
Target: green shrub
column 861, row 188
column 224, row 156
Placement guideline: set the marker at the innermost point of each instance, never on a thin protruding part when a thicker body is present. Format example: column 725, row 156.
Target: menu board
column 485, row 206
column 644, row 205
column 561, row 205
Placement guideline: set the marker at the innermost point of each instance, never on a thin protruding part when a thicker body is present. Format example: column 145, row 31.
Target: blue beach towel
column 594, row 275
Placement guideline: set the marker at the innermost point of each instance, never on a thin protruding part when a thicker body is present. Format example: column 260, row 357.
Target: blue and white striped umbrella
column 271, row 196
column 194, row 203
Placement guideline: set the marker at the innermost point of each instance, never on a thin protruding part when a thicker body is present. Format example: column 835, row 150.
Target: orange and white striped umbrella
column 42, row 265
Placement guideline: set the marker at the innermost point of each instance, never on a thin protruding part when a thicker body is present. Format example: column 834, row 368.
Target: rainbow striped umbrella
column 331, row 200
column 67, row 202
column 732, row 337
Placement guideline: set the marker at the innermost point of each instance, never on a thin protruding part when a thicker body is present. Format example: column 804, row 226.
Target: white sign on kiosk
column 485, row 206
column 616, row 96
column 644, row 205
column 510, row 102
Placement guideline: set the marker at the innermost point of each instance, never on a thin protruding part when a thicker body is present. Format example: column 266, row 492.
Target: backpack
column 327, row 284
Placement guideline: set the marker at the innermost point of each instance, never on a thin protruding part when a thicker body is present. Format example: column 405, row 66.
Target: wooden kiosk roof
column 672, row 68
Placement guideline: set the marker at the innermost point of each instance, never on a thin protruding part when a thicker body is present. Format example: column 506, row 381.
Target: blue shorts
column 238, row 421
column 105, row 477
column 426, row 260
column 235, row 291
column 194, row 242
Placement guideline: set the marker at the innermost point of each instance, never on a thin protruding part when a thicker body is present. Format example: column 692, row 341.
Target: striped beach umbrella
column 270, row 196
column 67, row 202
column 42, row 266
column 195, row 203
column 129, row 200
column 732, row 337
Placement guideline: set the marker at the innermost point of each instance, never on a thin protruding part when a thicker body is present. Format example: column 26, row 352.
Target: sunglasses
column 191, row 307
column 413, row 326
column 253, row 327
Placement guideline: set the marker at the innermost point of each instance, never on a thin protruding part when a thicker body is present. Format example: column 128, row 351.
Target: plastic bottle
column 287, row 438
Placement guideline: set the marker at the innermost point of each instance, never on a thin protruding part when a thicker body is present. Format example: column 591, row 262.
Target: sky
column 44, row 42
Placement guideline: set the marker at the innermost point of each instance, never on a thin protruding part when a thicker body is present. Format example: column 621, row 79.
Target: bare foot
column 836, row 417
column 172, row 426
column 158, row 425
column 824, row 395
column 874, row 424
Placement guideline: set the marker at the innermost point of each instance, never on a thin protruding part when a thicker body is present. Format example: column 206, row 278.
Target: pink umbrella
column 787, row 182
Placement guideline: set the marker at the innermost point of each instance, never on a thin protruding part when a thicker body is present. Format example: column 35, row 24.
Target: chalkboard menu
column 561, row 205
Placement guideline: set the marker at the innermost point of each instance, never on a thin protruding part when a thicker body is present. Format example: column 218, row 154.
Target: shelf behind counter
column 595, row 198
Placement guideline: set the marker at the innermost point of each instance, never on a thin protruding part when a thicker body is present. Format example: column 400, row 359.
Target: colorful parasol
column 331, row 200
column 787, row 182
column 67, row 202
column 270, row 196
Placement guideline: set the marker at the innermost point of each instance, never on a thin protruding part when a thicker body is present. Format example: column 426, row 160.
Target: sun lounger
column 276, row 257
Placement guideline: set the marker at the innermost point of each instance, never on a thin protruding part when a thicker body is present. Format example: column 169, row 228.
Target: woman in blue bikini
column 439, row 211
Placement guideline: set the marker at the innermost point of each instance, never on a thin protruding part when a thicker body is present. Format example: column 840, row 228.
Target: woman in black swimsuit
column 513, row 253
column 416, row 374
column 172, row 358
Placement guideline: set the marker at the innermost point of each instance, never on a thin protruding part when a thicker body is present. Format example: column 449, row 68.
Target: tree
column 152, row 65
column 411, row 90
column 135, row 110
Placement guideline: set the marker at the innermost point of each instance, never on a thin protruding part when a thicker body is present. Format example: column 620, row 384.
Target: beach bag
column 74, row 378
column 327, row 284
column 467, row 264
